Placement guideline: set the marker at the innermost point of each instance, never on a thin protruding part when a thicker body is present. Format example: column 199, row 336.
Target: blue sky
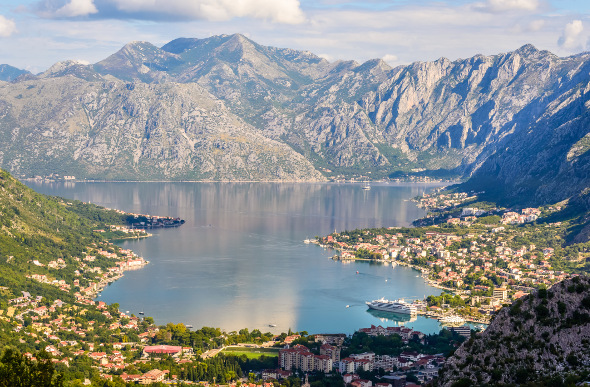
column 35, row 34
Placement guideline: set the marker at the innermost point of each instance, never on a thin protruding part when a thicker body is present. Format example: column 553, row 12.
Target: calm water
column 240, row 261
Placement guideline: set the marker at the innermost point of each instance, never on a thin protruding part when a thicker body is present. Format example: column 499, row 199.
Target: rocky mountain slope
column 117, row 130
column 548, row 161
column 541, row 338
column 442, row 117
column 9, row 73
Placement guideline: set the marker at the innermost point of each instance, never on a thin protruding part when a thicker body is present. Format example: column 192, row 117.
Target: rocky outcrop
column 540, row 338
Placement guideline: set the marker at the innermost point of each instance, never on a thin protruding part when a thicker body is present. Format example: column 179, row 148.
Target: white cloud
column 7, row 27
column 536, row 25
column 390, row 59
column 77, row 8
column 510, row 5
column 420, row 30
column 280, row 11
column 571, row 33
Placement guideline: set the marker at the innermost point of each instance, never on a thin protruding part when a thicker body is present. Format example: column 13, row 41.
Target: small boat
column 272, row 325
column 348, row 306
column 367, row 187
column 141, row 313
column 307, row 241
column 189, row 326
column 357, row 272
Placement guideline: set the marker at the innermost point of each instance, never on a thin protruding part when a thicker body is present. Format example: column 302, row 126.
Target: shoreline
column 424, row 275
column 424, row 272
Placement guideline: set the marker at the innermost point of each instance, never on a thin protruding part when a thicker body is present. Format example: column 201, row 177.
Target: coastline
column 111, row 297
column 425, row 273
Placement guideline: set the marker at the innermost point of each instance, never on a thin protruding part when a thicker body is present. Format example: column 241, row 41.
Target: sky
column 35, row 34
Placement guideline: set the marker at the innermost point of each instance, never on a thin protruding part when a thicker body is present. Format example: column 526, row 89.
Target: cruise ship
column 396, row 306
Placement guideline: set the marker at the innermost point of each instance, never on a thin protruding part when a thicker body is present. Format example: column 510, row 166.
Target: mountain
column 445, row 118
column 135, row 131
column 548, row 161
column 540, row 339
column 9, row 73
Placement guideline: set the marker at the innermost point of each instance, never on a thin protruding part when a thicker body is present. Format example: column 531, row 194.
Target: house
column 362, row 383
column 276, row 374
column 348, row 378
column 172, row 350
column 153, row 376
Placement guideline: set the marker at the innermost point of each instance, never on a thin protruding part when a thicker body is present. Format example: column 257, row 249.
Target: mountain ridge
column 445, row 117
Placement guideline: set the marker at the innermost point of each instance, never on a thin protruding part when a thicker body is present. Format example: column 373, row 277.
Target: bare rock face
column 444, row 116
column 541, row 336
column 136, row 131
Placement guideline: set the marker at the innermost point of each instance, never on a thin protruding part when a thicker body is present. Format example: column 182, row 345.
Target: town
column 486, row 257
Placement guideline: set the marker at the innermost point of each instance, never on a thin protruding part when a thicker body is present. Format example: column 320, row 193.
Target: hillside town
column 123, row 347
column 486, row 257
column 394, row 369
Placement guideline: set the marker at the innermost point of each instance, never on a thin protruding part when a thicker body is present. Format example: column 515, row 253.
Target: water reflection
column 393, row 319
column 240, row 261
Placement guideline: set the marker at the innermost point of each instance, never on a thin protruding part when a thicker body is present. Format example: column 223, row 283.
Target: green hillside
column 38, row 229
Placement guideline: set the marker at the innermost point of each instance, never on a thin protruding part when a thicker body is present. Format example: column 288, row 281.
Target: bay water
column 240, row 260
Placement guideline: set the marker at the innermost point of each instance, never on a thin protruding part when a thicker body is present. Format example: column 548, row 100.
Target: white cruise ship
column 396, row 306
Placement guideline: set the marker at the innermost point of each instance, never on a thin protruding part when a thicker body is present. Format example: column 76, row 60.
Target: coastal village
column 482, row 258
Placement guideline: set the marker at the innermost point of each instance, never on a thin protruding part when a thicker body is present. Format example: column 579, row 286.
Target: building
column 361, row 383
column 464, row 330
column 171, row 350
column 501, row 293
column 350, row 365
column 299, row 357
column 336, row 339
column 277, row 374
column 331, row 351
column 152, row 376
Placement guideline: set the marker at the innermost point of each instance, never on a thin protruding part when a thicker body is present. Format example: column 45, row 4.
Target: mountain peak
column 180, row 45
column 528, row 50
column 9, row 73
column 239, row 40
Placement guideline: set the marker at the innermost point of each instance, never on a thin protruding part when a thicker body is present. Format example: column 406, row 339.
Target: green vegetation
column 443, row 342
column 251, row 353
column 17, row 370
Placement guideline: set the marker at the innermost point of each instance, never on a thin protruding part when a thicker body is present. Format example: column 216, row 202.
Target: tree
column 16, row 370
